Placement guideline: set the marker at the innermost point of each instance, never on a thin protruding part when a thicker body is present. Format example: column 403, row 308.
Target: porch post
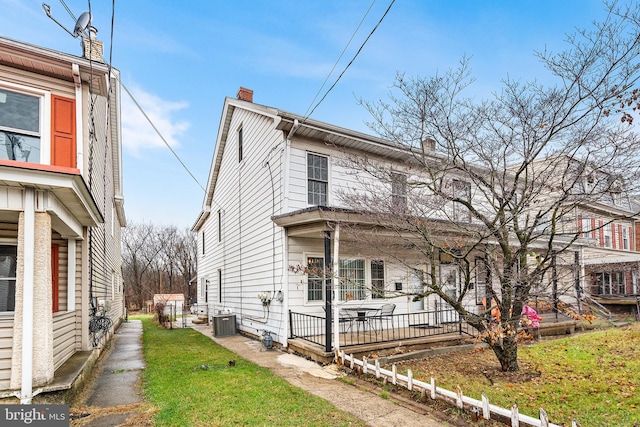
column 336, row 285
column 328, row 267
column 576, row 267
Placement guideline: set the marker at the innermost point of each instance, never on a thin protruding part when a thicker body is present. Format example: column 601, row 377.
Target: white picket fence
column 483, row 407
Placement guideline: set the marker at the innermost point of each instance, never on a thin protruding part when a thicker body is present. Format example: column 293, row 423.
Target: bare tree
column 156, row 260
column 493, row 185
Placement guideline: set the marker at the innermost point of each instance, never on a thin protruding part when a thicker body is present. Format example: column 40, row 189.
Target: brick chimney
column 245, row 94
column 91, row 46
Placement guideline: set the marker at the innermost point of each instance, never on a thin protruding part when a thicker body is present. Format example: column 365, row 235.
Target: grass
column 190, row 381
column 592, row 377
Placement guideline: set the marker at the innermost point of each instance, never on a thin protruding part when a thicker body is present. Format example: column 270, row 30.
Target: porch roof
column 595, row 256
column 66, row 184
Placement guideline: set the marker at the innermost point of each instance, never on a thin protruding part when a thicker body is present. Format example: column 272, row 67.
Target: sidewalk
column 113, row 393
column 322, row 382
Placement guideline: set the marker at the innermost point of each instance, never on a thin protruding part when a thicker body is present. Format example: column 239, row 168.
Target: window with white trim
column 377, row 279
column 399, row 190
column 625, row 238
column 8, row 267
column 352, row 279
column 317, row 179
column 315, row 278
column 20, row 128
column 607, row 235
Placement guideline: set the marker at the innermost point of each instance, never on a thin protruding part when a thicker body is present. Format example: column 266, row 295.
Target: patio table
column 363, row 315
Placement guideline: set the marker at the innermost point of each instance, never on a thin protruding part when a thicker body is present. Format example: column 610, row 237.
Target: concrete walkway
column 113, row 394
column 322, row 382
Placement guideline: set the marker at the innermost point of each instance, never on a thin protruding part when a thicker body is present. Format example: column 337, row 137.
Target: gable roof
column 291, row 125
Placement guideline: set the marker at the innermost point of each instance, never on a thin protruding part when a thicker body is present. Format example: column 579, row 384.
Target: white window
column 8, row 264
column 625, row 238
column 377, row 279
column 352, row 279
column 607, row 235
column 586, row 227
column 461, row 190
column 317, row 179
column 315, row 278
column 399, row 190
column 20, row 127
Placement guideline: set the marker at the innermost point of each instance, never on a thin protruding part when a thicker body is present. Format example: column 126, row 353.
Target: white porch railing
column 481, row 407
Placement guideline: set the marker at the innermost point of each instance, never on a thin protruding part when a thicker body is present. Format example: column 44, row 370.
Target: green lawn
column 189, row 380
column 592, row 377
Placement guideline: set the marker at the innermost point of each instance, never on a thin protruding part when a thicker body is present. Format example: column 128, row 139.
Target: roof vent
column 245, row 94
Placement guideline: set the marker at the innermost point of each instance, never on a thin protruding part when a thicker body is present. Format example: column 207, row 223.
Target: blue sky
column 180, row 59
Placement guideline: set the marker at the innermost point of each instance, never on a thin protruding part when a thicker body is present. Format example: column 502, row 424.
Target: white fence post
column 409, row 380
column 486, row 412
column 394, row 378
column 364, row 364
column 459, row 402
column 377, row 362
column 351, row 359
column 515, row 417
column 433, row 388
column 544, row 418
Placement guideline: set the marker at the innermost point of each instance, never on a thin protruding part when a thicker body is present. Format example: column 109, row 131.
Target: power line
column 146, row 116
column 340, row 57
column 352, row 60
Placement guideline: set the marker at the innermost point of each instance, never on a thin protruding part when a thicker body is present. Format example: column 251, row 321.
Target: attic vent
column 245, row 94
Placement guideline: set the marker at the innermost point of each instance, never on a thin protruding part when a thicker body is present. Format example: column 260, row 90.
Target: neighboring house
column 61, row 211
column 272, row 209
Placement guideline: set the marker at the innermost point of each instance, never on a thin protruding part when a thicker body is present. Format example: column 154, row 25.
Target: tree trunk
column 507, row 353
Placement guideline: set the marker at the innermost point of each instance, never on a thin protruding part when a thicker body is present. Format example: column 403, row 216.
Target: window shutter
column 63, row 132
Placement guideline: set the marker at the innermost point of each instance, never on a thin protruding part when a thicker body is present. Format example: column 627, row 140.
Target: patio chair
column 385, row 312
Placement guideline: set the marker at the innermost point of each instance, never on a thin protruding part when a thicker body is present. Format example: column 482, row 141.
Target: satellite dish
column 81, row 24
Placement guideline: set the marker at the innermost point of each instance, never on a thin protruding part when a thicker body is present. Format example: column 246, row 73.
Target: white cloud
column 137, row 132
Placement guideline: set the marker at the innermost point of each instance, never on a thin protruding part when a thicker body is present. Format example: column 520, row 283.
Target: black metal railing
column 379, row 329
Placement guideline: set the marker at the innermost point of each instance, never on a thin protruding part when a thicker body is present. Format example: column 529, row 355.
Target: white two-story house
column 275, row 229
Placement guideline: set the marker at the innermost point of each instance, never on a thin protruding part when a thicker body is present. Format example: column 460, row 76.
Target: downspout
column 27, row 299
column 75, row 70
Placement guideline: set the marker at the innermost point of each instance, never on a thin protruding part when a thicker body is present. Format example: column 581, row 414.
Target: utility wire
column 340, row 57
column 159, row 134
column 351, row 62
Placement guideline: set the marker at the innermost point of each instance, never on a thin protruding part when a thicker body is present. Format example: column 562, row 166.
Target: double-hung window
column 462, row 191
column 317, row 179
column 8, row 263
column 315, row 278
column 377, row 279
column 399, row 190
column 352, row 279
column 19, row 126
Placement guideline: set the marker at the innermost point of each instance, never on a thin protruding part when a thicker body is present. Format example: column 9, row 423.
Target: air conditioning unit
column 224, row 325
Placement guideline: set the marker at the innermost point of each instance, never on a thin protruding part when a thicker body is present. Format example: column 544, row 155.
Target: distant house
column 61, row 211
column 173, row 303
column 272, row 210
